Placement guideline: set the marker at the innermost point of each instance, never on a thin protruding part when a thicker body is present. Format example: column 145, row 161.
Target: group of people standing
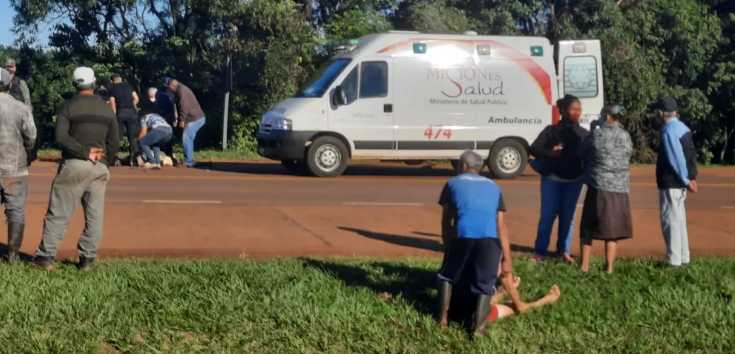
column 477, row 268
column 568, row 157
column 88, row 130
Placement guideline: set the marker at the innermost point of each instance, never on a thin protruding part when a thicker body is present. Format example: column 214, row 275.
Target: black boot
column 443, row 299
column 86, row 263
column 15, row 240
column 482, row 310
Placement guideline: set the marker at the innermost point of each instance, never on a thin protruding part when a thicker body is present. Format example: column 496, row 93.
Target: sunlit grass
column 355, row 306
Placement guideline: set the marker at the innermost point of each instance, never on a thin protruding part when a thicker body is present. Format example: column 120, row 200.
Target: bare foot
column 553, row 295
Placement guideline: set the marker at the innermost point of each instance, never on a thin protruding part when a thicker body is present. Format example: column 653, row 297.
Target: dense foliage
column 651, row 47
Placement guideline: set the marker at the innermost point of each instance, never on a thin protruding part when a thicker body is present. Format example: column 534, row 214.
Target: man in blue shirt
column 676, row 171
column 475, row 237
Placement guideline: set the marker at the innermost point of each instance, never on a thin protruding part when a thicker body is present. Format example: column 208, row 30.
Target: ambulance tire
column 297, row 167
column 507, row 160
column 327, row 157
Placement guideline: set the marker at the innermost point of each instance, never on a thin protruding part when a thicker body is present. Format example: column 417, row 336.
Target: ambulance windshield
column 319, row 82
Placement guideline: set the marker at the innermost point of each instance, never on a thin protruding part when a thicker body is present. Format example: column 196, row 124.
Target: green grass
column 202, row 154
column 355, row 306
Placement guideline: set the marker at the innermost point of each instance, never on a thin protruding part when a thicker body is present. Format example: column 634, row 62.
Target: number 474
column 434, row 131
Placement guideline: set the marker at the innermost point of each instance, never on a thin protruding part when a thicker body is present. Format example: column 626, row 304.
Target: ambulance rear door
column 580, row 74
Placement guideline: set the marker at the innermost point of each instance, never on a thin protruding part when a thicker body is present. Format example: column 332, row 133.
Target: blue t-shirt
column 476, row 201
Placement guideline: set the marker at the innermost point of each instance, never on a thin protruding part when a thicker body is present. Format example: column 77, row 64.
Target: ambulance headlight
column 282, row 124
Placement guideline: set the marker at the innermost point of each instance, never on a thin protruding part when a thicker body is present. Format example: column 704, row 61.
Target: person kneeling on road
column 155, row 133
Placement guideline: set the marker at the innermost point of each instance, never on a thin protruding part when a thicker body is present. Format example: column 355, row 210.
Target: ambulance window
column 374, row 79
column 580, row 76
column 349, row 86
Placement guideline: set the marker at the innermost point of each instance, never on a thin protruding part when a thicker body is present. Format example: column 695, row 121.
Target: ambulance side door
column 580, row 74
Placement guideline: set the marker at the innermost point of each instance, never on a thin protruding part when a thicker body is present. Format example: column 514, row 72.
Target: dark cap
column 166, row 81
column 114, row 76
column 665, row 104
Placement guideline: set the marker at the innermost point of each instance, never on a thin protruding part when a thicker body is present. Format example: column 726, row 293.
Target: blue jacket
column 677, row 157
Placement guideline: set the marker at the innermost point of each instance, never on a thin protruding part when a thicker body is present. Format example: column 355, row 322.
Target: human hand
column 692, row 187
column 558, row 148
column 182, row 124
column 96, row 154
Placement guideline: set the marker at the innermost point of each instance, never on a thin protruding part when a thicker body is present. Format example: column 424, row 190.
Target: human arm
column 675, row 154
column 112, row 142
column 539, row 148
column 29, row 130
column 136, row 99
column 507, row 264
column 448, row 214
column 113, row 104
column 30, row 138
column 25, row 92
column 143, row 132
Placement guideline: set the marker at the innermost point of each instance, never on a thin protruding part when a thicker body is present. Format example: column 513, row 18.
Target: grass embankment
column 359, row 306
column 233, row 155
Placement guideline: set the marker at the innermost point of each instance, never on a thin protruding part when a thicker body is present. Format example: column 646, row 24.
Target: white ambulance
column 409, row 96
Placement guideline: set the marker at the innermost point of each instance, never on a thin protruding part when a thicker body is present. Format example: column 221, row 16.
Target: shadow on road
column 420, row 243
column 355, row 170
column 408, row 241
column 389, row 280
column 385, row 169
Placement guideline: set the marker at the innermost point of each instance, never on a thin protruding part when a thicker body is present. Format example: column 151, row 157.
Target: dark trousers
column 478, row 257
column 127, row 121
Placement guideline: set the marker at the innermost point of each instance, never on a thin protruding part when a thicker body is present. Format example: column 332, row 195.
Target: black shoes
column 482, row 310
column 46, row 263
column 443, row 299
column 15, row 240
column 86, row 263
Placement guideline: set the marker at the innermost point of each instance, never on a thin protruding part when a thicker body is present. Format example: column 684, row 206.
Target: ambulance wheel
column 507, row 159
column 327, row 157
column 294, row 166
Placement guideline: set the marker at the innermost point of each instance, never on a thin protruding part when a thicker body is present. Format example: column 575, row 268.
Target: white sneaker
column 152, row 166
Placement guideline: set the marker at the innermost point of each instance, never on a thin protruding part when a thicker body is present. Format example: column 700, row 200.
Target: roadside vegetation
column 355, row 306
column 682, row 48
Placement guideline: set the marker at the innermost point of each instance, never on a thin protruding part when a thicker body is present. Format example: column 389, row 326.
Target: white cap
column 84, row 76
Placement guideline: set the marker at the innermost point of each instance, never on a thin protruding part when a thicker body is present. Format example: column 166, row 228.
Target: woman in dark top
column 555, row 151
column 606, row 214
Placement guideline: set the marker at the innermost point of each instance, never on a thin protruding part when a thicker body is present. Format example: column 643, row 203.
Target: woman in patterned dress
column 606, row 216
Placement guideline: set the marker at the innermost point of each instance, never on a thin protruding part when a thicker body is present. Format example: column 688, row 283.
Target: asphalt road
column 257, row 210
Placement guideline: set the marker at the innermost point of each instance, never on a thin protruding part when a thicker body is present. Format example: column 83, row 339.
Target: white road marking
column 383, row 204
column 182, row 202
column 727, row 207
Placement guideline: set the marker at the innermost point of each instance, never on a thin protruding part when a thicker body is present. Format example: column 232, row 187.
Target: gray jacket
column 606, row 154
column 17, row 135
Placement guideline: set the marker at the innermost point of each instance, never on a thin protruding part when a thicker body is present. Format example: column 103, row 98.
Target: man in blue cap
column 676, row 173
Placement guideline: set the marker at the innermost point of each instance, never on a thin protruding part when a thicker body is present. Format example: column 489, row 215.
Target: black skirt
column 606, row 216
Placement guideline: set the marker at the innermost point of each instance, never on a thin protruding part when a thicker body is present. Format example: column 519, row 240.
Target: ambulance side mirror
column 340, row 99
